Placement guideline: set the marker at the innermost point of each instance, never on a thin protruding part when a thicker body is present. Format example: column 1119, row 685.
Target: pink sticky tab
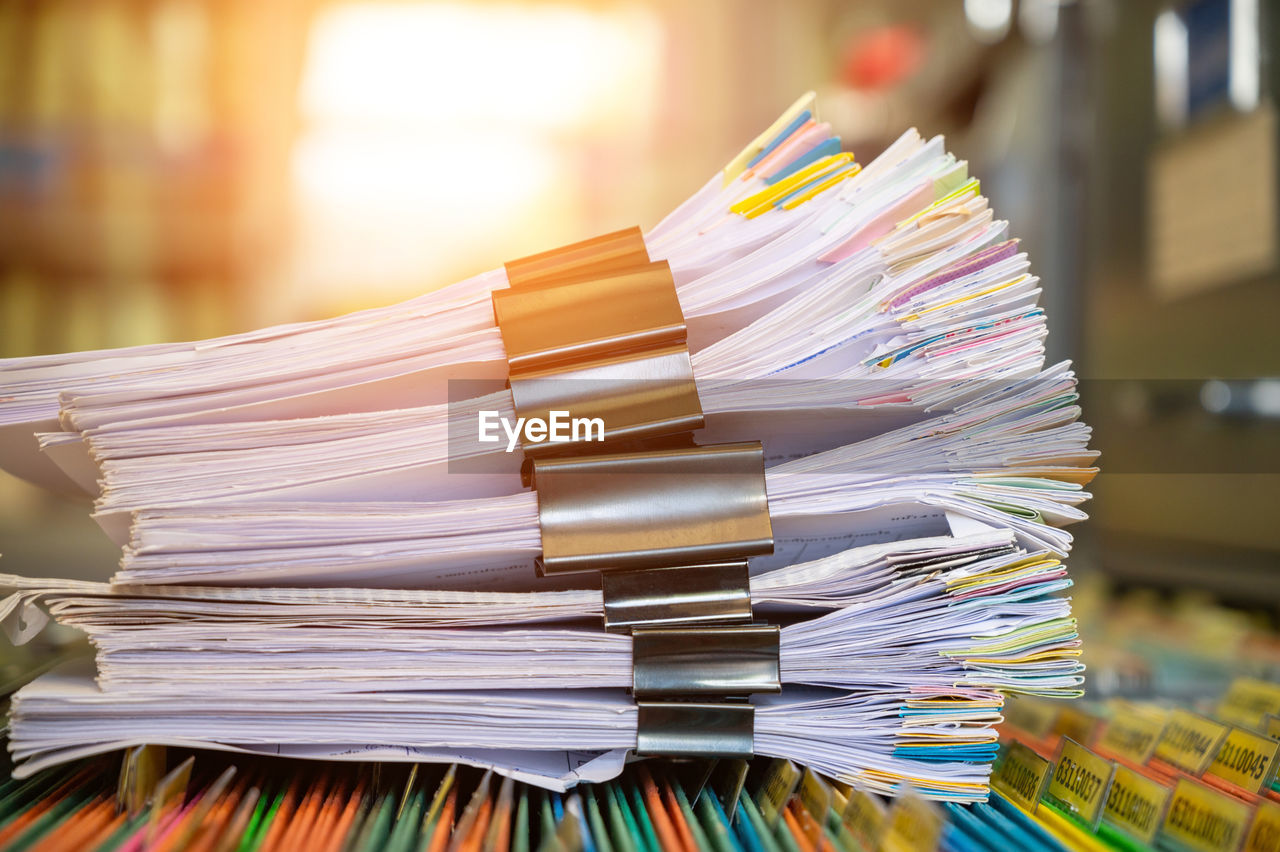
column 805, row 139
column 881, row 225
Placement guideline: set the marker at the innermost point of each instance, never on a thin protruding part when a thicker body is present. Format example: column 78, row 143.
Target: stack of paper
column 872, row 326
column 935, row 616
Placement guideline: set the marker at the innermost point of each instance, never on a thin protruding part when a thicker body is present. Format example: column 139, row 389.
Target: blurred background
column 178, row 169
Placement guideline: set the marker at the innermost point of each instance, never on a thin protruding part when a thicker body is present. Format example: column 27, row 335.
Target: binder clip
column 609, row 343
column 717, row 593
column 652, row 509
column 594, row 256
column 724, row 729
column 697, row 661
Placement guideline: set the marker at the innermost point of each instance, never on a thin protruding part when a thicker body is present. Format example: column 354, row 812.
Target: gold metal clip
column 582, row 319
column 595, row 256
column 653, row 509
column 635, row 396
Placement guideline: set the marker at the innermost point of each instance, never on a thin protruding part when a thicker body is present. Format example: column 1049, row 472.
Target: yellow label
column 1076, row 724
column 1204, row 820
column 779, row 783
column 866, row 818
column 1189, row 741
column 1248, row 701
column 1021, row 775
column 1079, row 781
column 815, row 795
column 914, row 825
column 1132, row 736
column 1264, row 834
column 1246, row 760
column 1033, row 716
column 1272, row 726
column 1135, row 804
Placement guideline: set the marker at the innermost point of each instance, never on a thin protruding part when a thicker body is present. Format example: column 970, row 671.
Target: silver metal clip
column 652, row 509
column 686, row 729
column 697, row 594
column 696, row 661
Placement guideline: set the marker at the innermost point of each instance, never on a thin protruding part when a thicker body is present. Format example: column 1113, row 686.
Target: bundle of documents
column 324, row 554
column 974, row 619
column 163, row 801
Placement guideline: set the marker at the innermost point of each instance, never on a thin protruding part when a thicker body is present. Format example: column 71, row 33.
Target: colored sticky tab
column 1248, row 701
column 755, row 204
column 738, row 164
column 1190, row 741
column 779, row 783
column 1080, row 781
column 1033, row 716
column 1205, row 820
column 951, row 180
column 785, row 134
column 1264, row 834
column 1021, row 775
column 914, row 825
column 866, row 818
column 808, row 193
column 1245, row 759
column 1132, row 735
column 1135, row 804
column 827, row 149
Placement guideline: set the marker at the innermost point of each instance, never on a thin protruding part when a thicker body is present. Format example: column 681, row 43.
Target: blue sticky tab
column 824, row 149
column 781, row 137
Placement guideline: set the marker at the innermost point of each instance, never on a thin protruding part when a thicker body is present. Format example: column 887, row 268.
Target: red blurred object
column 883, row 57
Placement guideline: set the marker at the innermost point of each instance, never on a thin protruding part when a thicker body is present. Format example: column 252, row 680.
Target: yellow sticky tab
column 1205, row 820
column 1247, row 701
column 1132, row 735
column 738, row 164
column 755, row 204
column 952, row 180
column 1021, row 775
column 866, row 818
column 1190, row 741
column 1245, row 759
column 1264, row 834
column 821, row 186
column 1135, row 804
column 1080, row 781
column 1033, row 716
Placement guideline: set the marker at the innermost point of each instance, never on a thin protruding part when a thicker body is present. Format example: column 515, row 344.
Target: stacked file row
column 208, row 802
column 1133, row 775
column 861, row 345
column 1124, row 776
